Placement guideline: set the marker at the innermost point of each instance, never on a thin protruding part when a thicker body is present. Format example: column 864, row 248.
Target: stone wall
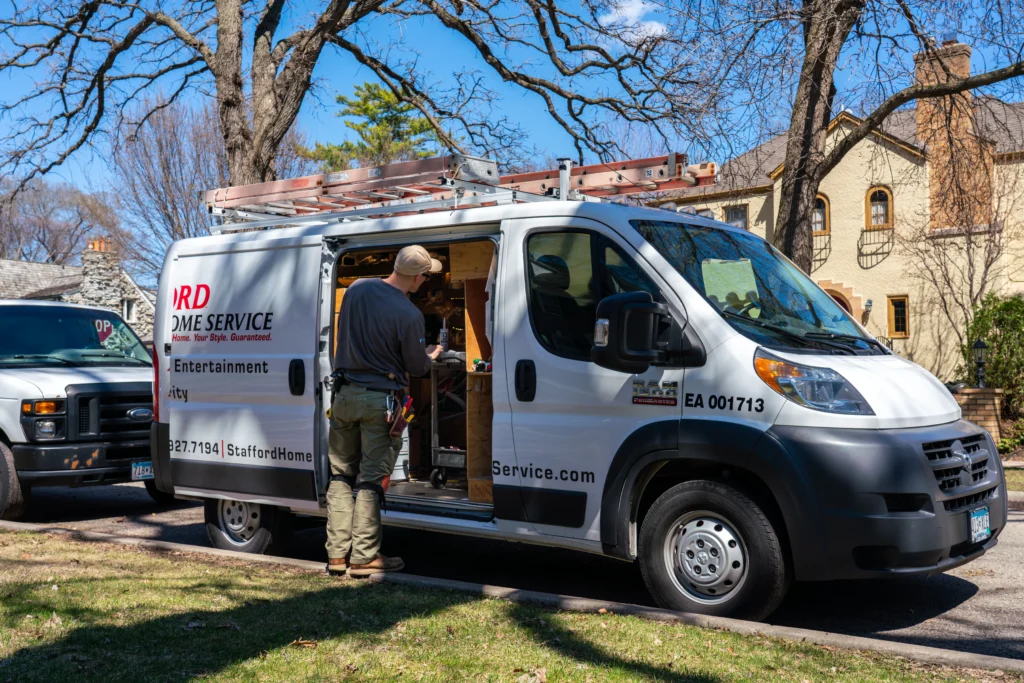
column 982, row 407
column 106, row 285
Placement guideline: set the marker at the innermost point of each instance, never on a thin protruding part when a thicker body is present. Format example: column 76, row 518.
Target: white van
column 75, row 401
column 662, row 388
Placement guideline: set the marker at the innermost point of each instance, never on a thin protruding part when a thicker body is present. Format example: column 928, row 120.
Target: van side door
column 240, row 377
column 569, row 416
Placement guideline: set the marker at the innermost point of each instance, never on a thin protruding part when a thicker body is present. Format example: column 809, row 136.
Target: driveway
column 976, row 608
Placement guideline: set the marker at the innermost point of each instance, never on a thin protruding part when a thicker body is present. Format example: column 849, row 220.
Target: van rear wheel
column 707, row 548
column 247, row 527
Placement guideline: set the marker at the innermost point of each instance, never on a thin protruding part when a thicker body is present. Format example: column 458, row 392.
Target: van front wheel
column 247, row 527
column 707, row 548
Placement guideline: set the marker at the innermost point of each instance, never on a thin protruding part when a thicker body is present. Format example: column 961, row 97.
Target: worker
column 380, row 339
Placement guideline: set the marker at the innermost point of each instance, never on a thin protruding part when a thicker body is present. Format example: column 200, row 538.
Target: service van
column 75, row 401
column 648, row 385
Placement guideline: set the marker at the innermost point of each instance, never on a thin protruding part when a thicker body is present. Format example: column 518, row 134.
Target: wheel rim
column 706, row 557
column 238, row 520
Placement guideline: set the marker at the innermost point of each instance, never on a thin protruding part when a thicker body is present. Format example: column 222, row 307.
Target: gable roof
column 20, row 279
column 750, row 172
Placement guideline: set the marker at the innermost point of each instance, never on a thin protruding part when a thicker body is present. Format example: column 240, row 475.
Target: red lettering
column 186, row 290
column 204, row 290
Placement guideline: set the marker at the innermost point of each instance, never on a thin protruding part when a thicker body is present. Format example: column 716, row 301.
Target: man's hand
column 434, row 350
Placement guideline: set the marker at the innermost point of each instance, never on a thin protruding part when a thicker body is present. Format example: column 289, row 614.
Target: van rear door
column 240, row 384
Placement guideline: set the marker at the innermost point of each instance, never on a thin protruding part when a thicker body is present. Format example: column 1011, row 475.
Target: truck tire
column 158, row 496
column 247, row 527
column 707, row 548
column 13, row 500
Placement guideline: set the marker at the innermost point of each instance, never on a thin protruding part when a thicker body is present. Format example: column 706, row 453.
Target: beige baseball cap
column 415, row 260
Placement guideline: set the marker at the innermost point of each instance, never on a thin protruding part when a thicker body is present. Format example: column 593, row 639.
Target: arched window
column 819, row 217
column 878, row 209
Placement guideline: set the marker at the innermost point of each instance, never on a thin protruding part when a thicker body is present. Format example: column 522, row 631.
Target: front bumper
column 78, row 464
column 868, row 503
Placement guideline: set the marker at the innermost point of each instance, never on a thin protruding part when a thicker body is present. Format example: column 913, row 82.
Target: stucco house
column 99, row 281
column 888, row 246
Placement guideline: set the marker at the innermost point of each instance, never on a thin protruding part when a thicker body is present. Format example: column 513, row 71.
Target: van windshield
column 57, row 335
column 762, row 294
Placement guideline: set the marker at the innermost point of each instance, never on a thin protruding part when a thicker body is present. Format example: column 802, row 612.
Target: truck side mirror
column 627, row 332
column 633, row 332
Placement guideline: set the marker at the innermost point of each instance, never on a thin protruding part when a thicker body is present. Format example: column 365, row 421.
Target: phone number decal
column 720, row 402
column 186, row 446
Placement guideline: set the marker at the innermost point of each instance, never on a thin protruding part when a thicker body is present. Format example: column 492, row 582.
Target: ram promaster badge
column 644, row 384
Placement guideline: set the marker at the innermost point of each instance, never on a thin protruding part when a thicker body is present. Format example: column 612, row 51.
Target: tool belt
column 399, row 414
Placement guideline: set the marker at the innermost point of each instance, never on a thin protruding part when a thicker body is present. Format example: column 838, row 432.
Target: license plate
column 144, row 470
column 979, row 525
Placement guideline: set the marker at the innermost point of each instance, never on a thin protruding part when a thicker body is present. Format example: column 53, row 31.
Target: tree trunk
column 827, row 24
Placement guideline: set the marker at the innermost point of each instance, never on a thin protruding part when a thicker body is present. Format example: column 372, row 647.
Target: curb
column 1015, row 496
column 921, row 653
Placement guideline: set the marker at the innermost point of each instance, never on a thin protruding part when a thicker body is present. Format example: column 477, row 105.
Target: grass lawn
column 75, row 611
column 1015, row 480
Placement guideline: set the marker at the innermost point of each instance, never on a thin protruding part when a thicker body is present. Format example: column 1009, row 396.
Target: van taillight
column 156, row 385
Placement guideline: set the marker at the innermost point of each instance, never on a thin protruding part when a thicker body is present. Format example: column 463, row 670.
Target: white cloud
column 629, row 15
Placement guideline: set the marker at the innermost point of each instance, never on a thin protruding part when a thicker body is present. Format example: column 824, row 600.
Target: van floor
column 423, row 489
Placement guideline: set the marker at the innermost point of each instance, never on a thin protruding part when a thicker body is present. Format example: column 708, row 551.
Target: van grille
column 958, row 463
column 105, row 416
column 962, row 502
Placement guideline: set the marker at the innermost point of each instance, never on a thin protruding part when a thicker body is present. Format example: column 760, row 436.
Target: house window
column 736, row 216
column 706, row 213
column 128, row 310
column 820, row 218
column 899, row 317
column 879, row 209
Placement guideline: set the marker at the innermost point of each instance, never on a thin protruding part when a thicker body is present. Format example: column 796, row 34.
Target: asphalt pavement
column 976, row 608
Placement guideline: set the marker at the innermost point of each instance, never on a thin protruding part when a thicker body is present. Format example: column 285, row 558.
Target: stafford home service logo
column 188, row 325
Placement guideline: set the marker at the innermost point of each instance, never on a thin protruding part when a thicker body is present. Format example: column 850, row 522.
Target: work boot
column 377, row 565
column 337, row 566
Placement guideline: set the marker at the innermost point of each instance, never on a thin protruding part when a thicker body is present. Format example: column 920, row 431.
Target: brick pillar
column 983, row 407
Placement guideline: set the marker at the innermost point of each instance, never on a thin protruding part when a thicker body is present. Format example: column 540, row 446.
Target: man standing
column 380, row 339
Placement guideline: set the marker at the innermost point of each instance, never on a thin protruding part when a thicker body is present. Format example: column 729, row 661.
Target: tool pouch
column 398, row 422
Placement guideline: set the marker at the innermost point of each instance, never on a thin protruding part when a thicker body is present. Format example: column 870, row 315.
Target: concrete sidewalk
column 920, row 653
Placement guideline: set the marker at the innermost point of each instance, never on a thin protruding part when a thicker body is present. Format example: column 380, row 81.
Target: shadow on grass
column 544, row 629
column 199, row 643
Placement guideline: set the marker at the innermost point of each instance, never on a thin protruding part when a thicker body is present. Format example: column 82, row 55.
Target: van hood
column 52, row 382
column 901, row 394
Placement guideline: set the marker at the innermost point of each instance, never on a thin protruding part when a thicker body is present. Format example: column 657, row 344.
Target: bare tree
column 772, row 68
column 160, row 170
column 95, row 60
column 48, row 222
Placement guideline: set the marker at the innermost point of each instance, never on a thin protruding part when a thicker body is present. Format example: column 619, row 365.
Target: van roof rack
column 440, row 183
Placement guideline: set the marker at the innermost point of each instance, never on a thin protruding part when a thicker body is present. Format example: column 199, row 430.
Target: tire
column 737, row 569
column 13, row 499
column 158, row 496
column 268, row 528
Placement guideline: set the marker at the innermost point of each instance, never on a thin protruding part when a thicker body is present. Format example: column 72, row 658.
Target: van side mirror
column 633, row 332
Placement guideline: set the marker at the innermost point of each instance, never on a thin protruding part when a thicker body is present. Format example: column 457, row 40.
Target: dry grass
column 1015, row 479
column 75, row 611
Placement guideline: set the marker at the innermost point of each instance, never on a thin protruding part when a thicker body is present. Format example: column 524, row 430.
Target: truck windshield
column 57, row 335
column 763, row 295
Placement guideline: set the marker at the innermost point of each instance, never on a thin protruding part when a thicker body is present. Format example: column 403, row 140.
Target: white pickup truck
column 75, row 401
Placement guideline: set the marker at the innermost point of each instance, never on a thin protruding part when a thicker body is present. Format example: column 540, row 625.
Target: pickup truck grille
column 962, row 502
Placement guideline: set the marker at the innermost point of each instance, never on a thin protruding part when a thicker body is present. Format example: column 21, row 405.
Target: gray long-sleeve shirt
column 380, row 336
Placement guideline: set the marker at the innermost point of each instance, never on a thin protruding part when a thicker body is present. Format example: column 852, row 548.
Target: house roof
column 24, row 280
column 999, row 121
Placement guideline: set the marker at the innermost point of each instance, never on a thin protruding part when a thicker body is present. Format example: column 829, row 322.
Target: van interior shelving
column 446, row 454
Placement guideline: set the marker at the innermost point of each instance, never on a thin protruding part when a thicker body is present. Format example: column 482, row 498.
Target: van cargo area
column 446, row 454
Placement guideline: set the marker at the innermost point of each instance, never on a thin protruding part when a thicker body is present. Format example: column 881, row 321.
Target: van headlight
column 818, row 388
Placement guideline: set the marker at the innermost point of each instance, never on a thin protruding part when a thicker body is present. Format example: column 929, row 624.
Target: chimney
column 101, row 275
column 959, row 160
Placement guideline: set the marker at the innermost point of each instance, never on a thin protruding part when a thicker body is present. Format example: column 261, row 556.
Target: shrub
column 999, row 322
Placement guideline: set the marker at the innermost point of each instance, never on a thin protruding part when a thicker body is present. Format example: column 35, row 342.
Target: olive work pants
column 361, row 450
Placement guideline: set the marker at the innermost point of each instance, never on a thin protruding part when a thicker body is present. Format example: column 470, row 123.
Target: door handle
column 526, row 380
column 297, row 377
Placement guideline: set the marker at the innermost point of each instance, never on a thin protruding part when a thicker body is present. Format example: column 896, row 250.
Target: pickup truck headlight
column 817, row 388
